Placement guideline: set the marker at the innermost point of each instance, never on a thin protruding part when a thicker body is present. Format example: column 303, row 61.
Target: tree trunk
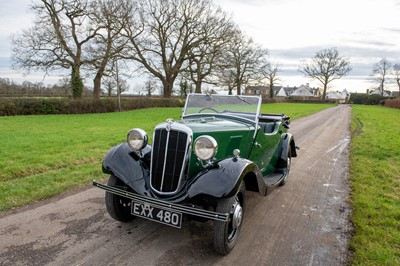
column 198, row 87
column 238, row 89
column 324, row 92
column 230, row 90
column 271, row 90
column 167, row 88
column 76, row 82
column 97, row 86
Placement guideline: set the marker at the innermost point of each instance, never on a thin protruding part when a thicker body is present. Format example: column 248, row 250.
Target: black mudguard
column 124, row 164
column 287, row 140
column 224, row 180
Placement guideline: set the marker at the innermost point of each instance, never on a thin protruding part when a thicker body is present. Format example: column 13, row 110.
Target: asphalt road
column 304, row 222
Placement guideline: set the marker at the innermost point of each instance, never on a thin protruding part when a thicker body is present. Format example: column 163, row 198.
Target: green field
column 42, row 156
column 375, row 182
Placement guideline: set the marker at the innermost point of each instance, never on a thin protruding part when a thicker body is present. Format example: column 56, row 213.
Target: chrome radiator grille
column 168, row 159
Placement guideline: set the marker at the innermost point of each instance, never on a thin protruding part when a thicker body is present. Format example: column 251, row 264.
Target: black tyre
column 118, row 207
column 226, row 233
column 288, row 165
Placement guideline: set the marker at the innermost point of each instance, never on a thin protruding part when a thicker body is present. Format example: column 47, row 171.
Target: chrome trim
column 168, row 128
column 173, row 127
column 224, row 217
column 212, row 140
column 257, row 116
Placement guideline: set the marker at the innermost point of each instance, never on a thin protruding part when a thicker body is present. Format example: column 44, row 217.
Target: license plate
column 156, row 214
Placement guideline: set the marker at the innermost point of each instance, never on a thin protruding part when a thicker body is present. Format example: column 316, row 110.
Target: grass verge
column 375, row 182
column 42, row 156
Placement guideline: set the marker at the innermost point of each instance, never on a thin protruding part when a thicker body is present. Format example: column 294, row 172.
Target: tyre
column 118, row 207
column 226, row 233
column 288, row 165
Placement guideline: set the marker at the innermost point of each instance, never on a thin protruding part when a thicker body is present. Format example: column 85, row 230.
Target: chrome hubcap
column 237, row 216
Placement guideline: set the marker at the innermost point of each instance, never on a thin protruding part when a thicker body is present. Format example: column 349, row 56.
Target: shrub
column 394, row 103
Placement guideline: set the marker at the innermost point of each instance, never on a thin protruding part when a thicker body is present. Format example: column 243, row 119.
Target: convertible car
column 200, row 166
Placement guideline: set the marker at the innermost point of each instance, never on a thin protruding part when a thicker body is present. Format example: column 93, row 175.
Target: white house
column 378, row 92
column 303, row 90
column 339, row 96
column 281, row 93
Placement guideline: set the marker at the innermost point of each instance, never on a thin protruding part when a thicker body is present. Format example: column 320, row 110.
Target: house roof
column 378, row 92
column 302, row 91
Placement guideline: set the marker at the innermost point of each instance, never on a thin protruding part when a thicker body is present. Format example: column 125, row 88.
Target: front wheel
column 118, row 207
column 226, row 233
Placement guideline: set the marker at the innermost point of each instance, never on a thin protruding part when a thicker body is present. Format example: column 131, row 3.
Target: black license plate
column 156, row 214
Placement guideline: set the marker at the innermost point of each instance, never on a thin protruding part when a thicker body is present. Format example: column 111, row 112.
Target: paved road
column 304, row 222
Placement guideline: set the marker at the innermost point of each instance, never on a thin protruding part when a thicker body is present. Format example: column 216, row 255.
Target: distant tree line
column 62, row 88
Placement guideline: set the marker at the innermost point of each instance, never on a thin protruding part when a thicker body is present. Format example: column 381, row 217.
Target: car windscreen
column 222, row 104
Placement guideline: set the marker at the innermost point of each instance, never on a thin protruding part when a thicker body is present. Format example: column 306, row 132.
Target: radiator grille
column 168, row 159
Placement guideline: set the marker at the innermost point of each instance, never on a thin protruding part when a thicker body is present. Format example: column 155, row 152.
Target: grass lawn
column 42, row 156
column 375, row 182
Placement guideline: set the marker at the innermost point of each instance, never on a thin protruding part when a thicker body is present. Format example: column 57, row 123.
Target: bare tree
column 203, row 59
column 110, row 17
column 150, row 85
column 243, row 61
column 380, row 72
column 112, row 78
column 164, row 33
column 270, row 72
column 57, row 39
column 326, row 66
column 396, row 75
column 64, row 83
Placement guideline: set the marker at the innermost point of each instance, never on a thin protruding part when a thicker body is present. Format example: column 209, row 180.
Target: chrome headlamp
column 205, row 147
column 137, row 139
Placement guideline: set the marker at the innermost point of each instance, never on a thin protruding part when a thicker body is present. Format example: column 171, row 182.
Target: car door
column 265, row 149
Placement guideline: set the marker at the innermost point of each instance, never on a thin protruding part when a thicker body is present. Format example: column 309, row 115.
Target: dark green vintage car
column 200, row 166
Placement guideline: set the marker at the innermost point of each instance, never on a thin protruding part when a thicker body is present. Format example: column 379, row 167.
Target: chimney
column 307, row 85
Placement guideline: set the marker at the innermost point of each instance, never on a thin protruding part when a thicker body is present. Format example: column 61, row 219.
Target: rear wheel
column 226, row 233
column 287, row 167
column 118, row 207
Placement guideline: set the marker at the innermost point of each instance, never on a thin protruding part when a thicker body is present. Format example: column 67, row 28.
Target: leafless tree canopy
column 204, row 59
column 169, row 33
column 150, row 85
column 326, row 66
column 164, row 39
column 270, row 73
column 110, row 17
column 57, row 39
column 380, row 73
column 243, row 60
column 396, row 75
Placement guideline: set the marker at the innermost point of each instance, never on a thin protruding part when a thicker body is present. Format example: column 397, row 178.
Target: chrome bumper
column 224, row 217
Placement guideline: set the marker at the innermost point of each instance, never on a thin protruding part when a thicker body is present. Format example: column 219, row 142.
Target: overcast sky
column 292, row 30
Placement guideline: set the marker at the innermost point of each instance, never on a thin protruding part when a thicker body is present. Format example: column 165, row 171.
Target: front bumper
column 224, row 217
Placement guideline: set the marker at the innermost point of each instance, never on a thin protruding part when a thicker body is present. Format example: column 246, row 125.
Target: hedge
column 363, row 98
column 394, row 103
column 35, row 106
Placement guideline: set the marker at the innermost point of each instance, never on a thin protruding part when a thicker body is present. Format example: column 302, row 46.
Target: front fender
column 222, row 181
column 131, row 169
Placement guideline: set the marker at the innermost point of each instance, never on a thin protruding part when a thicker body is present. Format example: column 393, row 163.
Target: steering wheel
column 208, row 108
